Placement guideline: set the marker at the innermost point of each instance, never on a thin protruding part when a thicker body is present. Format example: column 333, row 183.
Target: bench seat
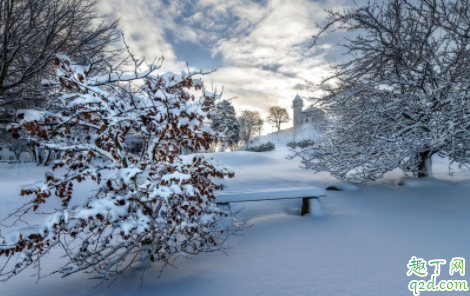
column 308, row 195
column 273, row 194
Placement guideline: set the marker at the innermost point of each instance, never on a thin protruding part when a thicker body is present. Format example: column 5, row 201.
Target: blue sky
column 260, row 48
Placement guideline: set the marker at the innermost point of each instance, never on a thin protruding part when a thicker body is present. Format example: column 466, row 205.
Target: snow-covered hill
column 281, row 138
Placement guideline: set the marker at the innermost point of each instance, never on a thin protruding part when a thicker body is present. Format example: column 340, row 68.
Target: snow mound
column 420, row 182
column 463, row 183
column 315, row 208
column 341, row 186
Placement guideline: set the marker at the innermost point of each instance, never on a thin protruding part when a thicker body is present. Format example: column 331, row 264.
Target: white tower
column 297, row 105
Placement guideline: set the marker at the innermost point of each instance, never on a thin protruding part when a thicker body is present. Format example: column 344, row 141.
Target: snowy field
column 362, row 247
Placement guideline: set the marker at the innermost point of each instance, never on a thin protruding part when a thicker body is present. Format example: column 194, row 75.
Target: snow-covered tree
column 277, row 116
column 250, row 125
column 403, row 96
column 151, row 205
column 224, row 120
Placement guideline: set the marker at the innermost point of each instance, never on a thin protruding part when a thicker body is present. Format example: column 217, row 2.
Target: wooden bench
column 224, row 199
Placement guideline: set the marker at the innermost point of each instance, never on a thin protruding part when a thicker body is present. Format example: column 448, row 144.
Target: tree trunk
column 305, row 206
column 50, row 157
column 33, row 152
column 47, row 153
column 38, row 156
column 425, row 164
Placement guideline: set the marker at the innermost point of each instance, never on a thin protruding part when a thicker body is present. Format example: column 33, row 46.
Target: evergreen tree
column 224, row 120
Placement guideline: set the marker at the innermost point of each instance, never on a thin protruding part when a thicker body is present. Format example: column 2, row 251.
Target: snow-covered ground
column 361, row 247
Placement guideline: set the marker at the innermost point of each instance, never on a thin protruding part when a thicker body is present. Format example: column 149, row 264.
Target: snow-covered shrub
column 150, row 204
column 292, row 145
column 269, row 146
column 301, row 144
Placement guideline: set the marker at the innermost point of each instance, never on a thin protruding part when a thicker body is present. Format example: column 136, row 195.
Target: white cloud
column 145, row 24
column 263, row 45
column 272, row 60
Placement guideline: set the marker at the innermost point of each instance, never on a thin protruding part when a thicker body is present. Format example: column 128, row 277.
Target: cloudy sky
column 260, row 48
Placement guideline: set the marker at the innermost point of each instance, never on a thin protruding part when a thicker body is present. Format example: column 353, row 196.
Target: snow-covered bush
column 151, row 204
column 301, row 144
column 269, row 146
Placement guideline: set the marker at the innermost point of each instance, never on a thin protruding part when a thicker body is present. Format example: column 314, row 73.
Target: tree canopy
column 277, row 116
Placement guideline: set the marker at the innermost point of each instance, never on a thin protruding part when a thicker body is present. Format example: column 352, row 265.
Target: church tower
column 297, row 105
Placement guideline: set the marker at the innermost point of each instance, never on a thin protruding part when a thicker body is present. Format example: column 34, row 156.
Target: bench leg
column 312, row 205
column 225, row 222
column 305, row 206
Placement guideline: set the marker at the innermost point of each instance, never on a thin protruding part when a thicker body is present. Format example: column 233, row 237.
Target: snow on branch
column 151, row 205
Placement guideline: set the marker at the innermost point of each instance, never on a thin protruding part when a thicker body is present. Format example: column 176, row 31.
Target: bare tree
column 403, row 95
column 250, row 124
column 33, row 32
column 259, row 126
column 278, row 116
